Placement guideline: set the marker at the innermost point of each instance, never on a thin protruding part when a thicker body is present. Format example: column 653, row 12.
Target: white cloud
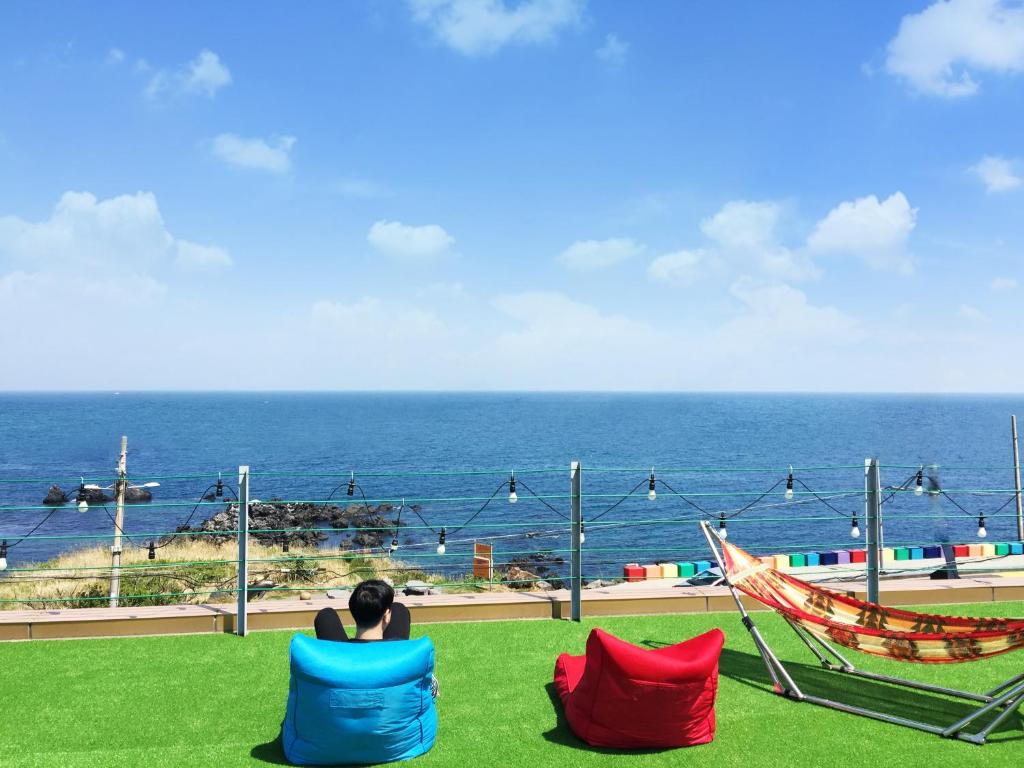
column 597, row 254
column 678, row 268
column 996, row 173
column 204, row 75
column 481, row 27
column 779, row 311
column 92, row 238
column 746, row 231
column 875, row 231
column 564, row 344
column 125, row 231
column 938, row 50
column 260, row 154
column 394, row 238
column 115, row 56
column 973, row 314
column 613, row 52
column 1000, row 284
column 201, row 257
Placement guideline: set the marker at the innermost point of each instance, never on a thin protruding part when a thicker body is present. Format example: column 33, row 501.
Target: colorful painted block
column 858, row 556
column 829, row 558
column 988, row 550
column 1017, row 548
column 888, row 554
column 974, row 550
column 669, row 571
column 961, row 550
column 633, row 572
column 843, row 557
column 796, row 560
column 917, row 553
column 930, row 553
column 1002, row 549
column 812, row 559
column 652, row 571
column 901, row 553
column 703, row 565
column 686, row 570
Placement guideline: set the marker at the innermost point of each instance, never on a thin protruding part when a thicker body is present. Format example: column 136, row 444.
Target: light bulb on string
column 982, row 533
column 919, row 482
column 513, row 497
column 351, row 490
column 854, row 528
column 152, row 551
column 83, row 505
column 219, row 492
column 651, row 493
column 394, row 545
column 583, row 532
column 723, row 532
column 3, row 555
column 441, row 549
column 789, row 485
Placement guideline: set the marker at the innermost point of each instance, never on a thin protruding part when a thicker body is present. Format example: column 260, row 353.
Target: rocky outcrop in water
column 56, row 495
column 371, row 526
column 137, row 495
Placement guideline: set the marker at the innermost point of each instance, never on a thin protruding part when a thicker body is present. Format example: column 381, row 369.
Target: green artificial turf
column 218, row 700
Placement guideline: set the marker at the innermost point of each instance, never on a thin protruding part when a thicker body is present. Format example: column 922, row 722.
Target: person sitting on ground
column 377, row 617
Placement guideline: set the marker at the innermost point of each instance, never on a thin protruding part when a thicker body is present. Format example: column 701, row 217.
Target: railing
column 545, row 525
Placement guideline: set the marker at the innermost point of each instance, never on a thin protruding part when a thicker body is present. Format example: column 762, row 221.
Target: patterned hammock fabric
column 867, row 627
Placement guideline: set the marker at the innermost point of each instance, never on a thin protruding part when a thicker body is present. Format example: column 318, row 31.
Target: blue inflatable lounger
column 352, row 703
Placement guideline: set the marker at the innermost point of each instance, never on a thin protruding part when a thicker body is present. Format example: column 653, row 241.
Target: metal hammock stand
column 994, row 706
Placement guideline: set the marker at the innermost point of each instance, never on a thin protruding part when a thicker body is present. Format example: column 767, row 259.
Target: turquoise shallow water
column 62, row 436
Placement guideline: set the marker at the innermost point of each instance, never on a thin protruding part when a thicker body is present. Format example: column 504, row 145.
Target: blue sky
column 545, row 194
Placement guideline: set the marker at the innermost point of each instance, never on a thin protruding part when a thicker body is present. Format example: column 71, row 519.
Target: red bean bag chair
column 622, row 696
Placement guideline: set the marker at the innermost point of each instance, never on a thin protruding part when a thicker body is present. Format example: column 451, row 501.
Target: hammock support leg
column 1002, row 701
column 778, row 672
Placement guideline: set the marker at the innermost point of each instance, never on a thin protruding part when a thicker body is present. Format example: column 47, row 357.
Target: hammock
column 820, row 617
column 867, row 627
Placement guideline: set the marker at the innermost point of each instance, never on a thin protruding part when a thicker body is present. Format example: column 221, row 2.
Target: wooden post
column 1016, row 479
column 115, row 551
column 576, row 559
column 241, row 613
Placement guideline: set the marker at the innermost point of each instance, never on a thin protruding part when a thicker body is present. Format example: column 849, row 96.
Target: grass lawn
column 218, row 700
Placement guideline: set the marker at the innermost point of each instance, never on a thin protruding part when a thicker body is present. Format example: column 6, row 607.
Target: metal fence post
column 1016, row 479
column 241, row 617
column 873, row 518
column 576, row 559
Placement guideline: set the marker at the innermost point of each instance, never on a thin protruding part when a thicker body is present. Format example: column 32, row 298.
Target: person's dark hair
column 369, row 602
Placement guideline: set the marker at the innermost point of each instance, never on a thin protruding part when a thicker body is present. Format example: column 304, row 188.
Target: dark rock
column 414, row 587
column 257, row 588
column 137, row 495
column 55, row 496
column 286, row 521
column 93, row 496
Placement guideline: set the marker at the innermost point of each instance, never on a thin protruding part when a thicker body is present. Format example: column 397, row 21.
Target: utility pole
column 1016, row 478
column 120, row 485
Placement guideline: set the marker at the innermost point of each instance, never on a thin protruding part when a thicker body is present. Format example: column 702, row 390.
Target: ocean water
column 749, row 441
